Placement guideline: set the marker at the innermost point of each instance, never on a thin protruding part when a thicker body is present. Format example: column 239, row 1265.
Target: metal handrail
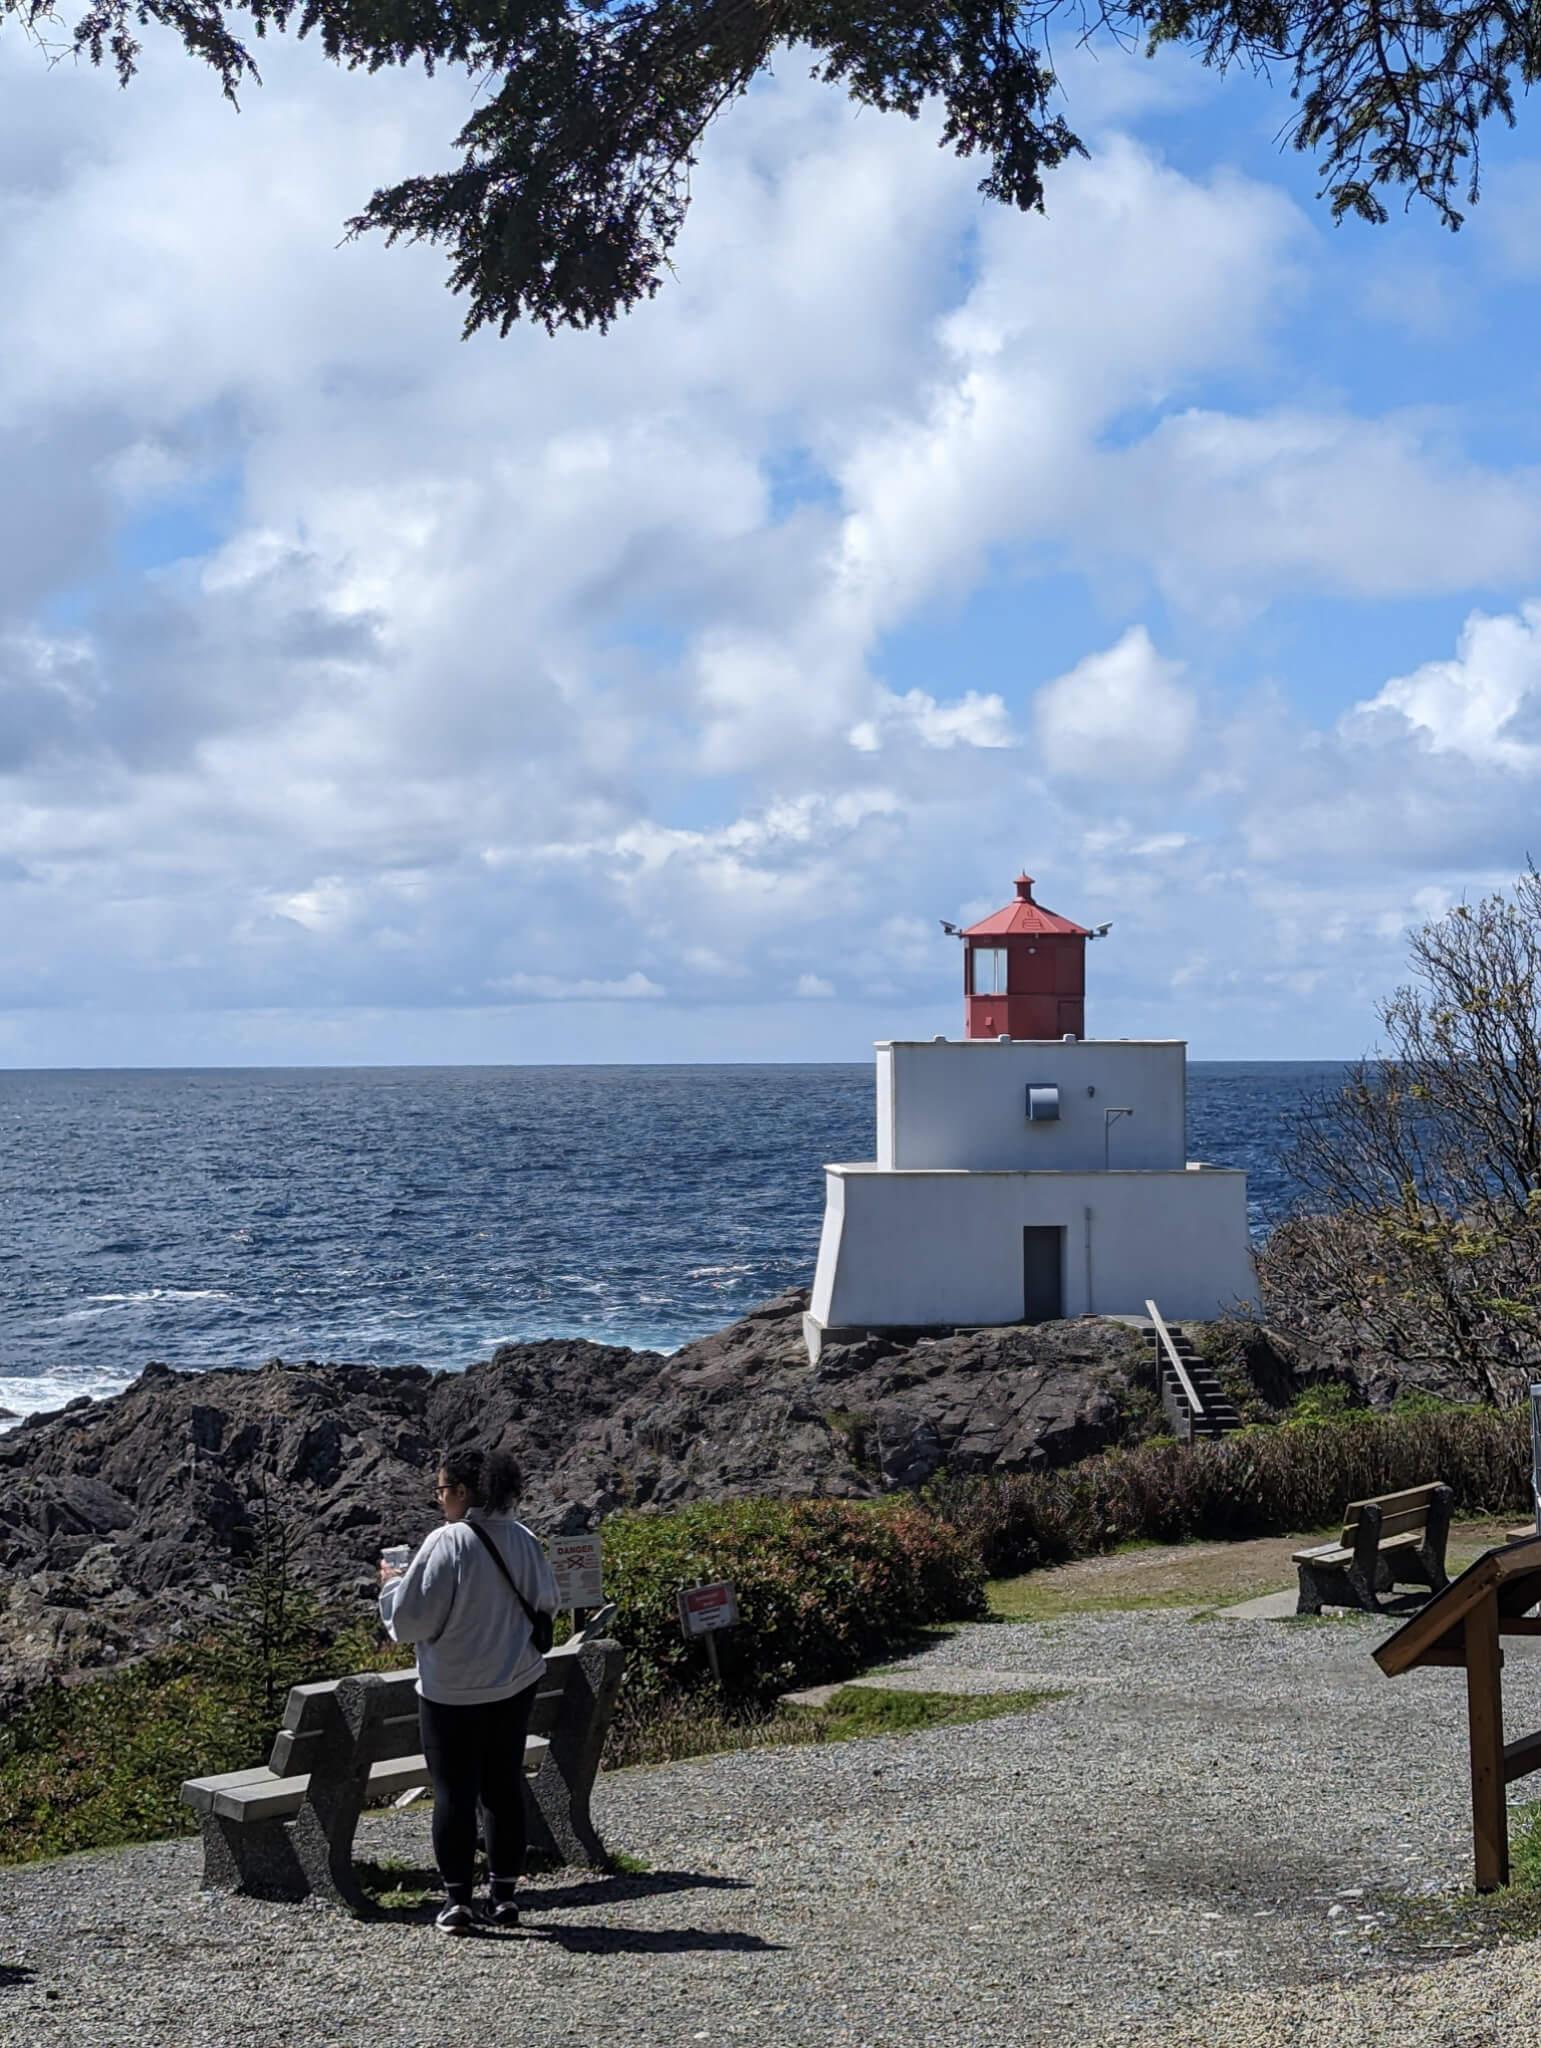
column 1164, row 1338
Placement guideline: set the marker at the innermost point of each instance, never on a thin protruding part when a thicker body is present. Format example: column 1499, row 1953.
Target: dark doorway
column 1043, row 1264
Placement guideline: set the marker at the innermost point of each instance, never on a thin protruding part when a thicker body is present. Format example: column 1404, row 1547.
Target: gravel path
column 1198, row 1843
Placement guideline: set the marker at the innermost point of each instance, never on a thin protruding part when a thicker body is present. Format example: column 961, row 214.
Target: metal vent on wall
column 1042, row 1105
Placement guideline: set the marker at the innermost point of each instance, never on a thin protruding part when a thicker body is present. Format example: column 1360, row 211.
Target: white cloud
column 1230, row 511
column 977, row 719
column 1137, row 281
column 1485, row 704
column 1122, row 715
column 325, row 906
column 557, row 988
column 814, row 985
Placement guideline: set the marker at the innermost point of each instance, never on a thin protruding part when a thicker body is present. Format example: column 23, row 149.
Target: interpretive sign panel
column 704, row 1608
column 577, row 1563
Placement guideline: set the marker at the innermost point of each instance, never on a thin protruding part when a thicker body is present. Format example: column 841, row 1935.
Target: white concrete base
column 945, row 1249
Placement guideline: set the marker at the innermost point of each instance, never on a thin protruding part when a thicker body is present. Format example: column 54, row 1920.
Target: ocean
column 422, row 1215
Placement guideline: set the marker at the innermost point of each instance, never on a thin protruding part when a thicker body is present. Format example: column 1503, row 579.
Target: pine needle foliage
column 572, row 176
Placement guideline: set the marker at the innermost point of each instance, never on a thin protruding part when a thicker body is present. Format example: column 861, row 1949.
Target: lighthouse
column 1024, row 972
column 1026, row 1172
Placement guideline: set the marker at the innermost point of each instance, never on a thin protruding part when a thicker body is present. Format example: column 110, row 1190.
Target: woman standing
column 468, row 1601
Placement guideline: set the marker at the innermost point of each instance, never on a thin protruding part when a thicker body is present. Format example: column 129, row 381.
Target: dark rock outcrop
column 124, row 1522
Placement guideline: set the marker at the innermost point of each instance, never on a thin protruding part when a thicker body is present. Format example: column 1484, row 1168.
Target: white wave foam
column 37, row 1395
column 143, row 1294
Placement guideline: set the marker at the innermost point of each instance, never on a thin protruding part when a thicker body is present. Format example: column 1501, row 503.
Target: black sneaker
column 455, row 1919
column 503, row 1910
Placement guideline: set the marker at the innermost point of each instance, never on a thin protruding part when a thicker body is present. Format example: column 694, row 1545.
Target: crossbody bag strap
column 497, row 1558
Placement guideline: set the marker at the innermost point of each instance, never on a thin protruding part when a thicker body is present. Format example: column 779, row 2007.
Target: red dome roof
column 1024, row 917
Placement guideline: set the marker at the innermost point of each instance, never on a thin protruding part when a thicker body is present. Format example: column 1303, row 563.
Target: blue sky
column 366, row 694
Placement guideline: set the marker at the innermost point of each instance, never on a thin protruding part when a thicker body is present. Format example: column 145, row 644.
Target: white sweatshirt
column 472, row 1635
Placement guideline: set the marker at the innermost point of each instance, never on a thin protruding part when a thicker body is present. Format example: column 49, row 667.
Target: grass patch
column 396, row 1885
column 699, row 1728
column 1430, row 1927
column 1197, row 1575
column 694, row 1726
column 1437, row 1926
column 1036, row 1597
column 862, row 1710
column 1525, row 1847
column 1140, row 1576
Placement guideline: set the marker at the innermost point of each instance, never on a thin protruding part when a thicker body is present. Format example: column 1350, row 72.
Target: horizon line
column 537, row 1066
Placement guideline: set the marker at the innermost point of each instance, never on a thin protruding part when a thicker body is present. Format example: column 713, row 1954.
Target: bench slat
column 1415, row 1520
column 199, row 1792
column 308, row 1711
column 306, row 1700
column 1339, row 1553
column 1393, row 1503
column 262, row 1795
column 292, row 1753
column 307, row 1705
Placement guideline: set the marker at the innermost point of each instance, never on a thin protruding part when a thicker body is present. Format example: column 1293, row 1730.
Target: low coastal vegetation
column 1263, row 1481
column 824, row 1588
column 102, row 1760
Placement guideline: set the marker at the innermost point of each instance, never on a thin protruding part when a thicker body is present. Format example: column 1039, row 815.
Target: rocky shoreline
column 124, row 1522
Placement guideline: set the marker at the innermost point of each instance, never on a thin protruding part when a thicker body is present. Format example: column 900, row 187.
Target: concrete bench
column 284, row 1829
column 1397, row 1539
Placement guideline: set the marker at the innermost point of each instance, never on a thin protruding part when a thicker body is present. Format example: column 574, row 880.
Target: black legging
column 476, row 1754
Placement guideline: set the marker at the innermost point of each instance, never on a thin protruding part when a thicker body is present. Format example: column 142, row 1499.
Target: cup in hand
column 396, row 1556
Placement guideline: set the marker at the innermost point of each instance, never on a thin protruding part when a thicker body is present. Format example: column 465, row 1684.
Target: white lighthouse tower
column 1021, row 1177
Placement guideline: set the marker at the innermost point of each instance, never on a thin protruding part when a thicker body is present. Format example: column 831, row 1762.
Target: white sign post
column 578, row 1564
column 704, row 1610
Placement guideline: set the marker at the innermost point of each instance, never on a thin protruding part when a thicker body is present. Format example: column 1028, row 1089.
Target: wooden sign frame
column 1463, row 1626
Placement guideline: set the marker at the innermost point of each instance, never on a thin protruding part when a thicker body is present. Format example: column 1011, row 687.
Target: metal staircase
column 1195, row 1403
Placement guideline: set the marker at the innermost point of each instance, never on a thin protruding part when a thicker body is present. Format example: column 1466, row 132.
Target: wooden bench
column 284, row 1830
column 1396, row 1540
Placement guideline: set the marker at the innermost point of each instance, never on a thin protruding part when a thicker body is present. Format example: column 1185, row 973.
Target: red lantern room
column 1024, row 972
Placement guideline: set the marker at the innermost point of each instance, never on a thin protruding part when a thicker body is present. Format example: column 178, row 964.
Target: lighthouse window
column 989, row 970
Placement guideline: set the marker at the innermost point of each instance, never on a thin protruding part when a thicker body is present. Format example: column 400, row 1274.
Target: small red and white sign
column 704, row 1608
column 578, row 1565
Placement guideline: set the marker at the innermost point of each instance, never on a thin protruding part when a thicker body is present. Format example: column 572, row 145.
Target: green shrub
column 1328, row 1402
column 1419, row 1401
column 1141, row 1417
column 1260, row 1482
column 823, row 1587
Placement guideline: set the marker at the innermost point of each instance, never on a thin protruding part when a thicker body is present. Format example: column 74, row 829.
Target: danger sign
column 704, row 1608
column 577, row 1565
